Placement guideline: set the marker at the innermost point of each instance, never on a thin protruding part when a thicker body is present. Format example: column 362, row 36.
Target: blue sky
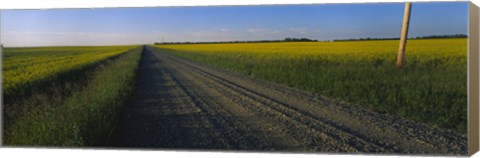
column 116, row 26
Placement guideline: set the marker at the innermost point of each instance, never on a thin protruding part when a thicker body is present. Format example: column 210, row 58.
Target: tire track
column 302, row 131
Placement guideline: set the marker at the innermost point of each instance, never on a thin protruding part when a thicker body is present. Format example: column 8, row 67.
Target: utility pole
column 403, row 36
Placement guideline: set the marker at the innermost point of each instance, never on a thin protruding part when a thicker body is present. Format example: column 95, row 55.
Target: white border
column 82, row 153
column 73, row 153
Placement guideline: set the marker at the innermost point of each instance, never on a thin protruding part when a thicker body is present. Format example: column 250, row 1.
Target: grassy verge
column 84, row 117
column 430, row 89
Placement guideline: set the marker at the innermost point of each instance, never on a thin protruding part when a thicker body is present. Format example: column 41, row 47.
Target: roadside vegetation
column 432, row 87
column 84, row 91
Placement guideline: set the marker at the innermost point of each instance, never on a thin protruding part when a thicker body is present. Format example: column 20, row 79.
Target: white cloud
column 30, row 38
column 224, row 30
column 299, row 30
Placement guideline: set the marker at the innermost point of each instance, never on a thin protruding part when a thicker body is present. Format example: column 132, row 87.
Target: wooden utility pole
column 403, row 36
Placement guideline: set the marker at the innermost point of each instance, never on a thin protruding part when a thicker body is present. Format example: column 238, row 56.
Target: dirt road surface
column 180, row 104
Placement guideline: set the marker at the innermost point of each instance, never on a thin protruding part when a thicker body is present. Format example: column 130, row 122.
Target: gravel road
column 180, row 104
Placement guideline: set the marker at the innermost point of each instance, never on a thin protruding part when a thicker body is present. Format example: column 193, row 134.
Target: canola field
column 431, row 88
column 66, row 96
column 25, row 68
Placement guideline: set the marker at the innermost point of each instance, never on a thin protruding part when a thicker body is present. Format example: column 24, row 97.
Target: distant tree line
column 443, row 36
column 289, row 39
column 421, row 37
column 220, row 42
column 365, row 39
column 299, row 40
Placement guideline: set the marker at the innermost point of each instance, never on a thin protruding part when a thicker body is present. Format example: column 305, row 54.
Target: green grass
column 77, row 113
column 430, row 89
